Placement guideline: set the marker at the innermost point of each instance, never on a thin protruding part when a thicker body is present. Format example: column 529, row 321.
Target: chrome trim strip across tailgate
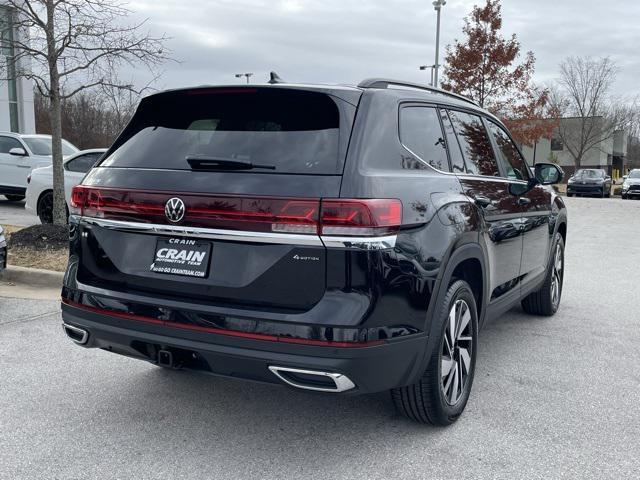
column 359, row 243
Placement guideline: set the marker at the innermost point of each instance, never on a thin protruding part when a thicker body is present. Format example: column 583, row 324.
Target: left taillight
column 76, row 203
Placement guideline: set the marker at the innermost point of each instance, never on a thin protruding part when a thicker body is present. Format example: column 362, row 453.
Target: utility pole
column 437, row 5
column 431, row 68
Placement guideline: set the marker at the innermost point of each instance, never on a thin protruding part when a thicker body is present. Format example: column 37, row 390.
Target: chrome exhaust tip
column 78, row 335
column 313, row 380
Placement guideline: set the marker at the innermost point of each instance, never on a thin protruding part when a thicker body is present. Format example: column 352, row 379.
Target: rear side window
column 83, row 163
column 457, row 162
column 475, row 144
column 293, row 131
column 508, row 155
column 421, row 134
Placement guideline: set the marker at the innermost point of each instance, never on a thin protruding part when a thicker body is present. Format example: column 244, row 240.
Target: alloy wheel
column 46, row 209
column 456, row 354
column 556, row 276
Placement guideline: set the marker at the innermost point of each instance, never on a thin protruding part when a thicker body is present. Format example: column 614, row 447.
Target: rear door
column 483, row 183
column 213, row 195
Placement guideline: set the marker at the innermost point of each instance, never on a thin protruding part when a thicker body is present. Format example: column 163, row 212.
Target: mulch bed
column 39, row 246
column 41, row 237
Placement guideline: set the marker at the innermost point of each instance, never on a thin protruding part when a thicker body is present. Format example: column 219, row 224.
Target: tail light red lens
column 360, row 217
column 341, row 217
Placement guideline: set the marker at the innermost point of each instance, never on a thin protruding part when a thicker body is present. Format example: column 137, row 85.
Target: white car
column 40, row 182
column 631, row 184
column 19, row 154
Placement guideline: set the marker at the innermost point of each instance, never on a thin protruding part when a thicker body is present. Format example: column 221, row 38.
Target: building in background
column 609, row 155
column 16, row 95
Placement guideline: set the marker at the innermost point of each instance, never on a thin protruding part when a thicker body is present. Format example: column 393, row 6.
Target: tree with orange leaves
column 485, row 68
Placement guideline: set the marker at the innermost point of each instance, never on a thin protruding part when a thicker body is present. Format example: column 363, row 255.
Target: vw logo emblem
column 174, row 210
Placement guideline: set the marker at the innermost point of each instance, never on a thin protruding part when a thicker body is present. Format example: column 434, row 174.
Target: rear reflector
column 341, row 217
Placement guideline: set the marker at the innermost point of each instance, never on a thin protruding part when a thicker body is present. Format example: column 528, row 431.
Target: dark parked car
column 589, row 181
column 334, row 239
column 3, row 250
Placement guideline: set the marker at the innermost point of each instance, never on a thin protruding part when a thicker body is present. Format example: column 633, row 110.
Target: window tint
column 475, row 144
column 421, row 133
column 7, row 143
column 293, row 131
column 83, row 163
column 508, row 154
column 455, row 154
column 42, row 146
column 589, row 173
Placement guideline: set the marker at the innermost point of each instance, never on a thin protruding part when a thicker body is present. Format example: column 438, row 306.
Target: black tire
column 45, row 207
column 569, row 194
column 427, row 400
column 14, row 198
column 544, row 301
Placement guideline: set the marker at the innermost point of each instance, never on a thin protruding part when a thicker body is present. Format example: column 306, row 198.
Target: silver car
column 19, row 154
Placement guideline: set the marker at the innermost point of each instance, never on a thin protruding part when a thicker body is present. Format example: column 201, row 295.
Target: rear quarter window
column 294, row 131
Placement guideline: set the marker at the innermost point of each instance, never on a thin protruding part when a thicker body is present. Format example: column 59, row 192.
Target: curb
column 34, row 277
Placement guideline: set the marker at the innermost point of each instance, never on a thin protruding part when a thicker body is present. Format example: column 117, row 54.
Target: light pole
column 437, row 5
column 248, row 75
column 430, row 67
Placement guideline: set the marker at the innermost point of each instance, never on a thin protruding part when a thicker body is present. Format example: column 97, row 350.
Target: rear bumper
column 372, row 369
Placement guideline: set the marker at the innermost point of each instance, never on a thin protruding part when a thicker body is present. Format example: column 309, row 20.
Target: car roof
column 84, row 152
column 351, row 93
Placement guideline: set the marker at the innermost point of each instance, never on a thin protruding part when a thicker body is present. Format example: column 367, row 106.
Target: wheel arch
column 463, row 263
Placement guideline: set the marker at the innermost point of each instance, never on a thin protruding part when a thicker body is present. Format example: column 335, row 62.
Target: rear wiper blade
column 212, row 163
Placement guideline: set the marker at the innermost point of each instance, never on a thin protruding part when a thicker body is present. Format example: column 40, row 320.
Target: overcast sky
column 344, row 41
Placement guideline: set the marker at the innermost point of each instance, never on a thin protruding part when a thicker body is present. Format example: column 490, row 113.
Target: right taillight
column 360, row 217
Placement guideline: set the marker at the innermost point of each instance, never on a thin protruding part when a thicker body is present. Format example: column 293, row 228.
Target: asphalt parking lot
column 553, row 397
column 13, row 213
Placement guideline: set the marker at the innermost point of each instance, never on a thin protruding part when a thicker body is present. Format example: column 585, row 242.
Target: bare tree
column 92, row 118
column 69, row 46
column 584, row 94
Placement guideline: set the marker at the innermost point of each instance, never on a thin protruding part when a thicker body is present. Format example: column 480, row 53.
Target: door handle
column 523, row 201
column 482, row 201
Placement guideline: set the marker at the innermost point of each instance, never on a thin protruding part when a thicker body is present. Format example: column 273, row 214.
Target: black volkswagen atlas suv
column 344, row 240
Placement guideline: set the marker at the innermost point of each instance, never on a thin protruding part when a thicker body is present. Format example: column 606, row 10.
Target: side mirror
column 624, row 177
column 548, row 173
column 18, row 152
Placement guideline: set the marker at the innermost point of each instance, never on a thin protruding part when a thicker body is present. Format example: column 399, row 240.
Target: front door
column 535, row 204
column 485, row 185
column 13, row 168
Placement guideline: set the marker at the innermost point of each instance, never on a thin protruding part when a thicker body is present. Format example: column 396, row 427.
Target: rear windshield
column 293, row 131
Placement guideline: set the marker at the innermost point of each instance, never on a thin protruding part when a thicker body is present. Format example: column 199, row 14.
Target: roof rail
column 386, row 82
